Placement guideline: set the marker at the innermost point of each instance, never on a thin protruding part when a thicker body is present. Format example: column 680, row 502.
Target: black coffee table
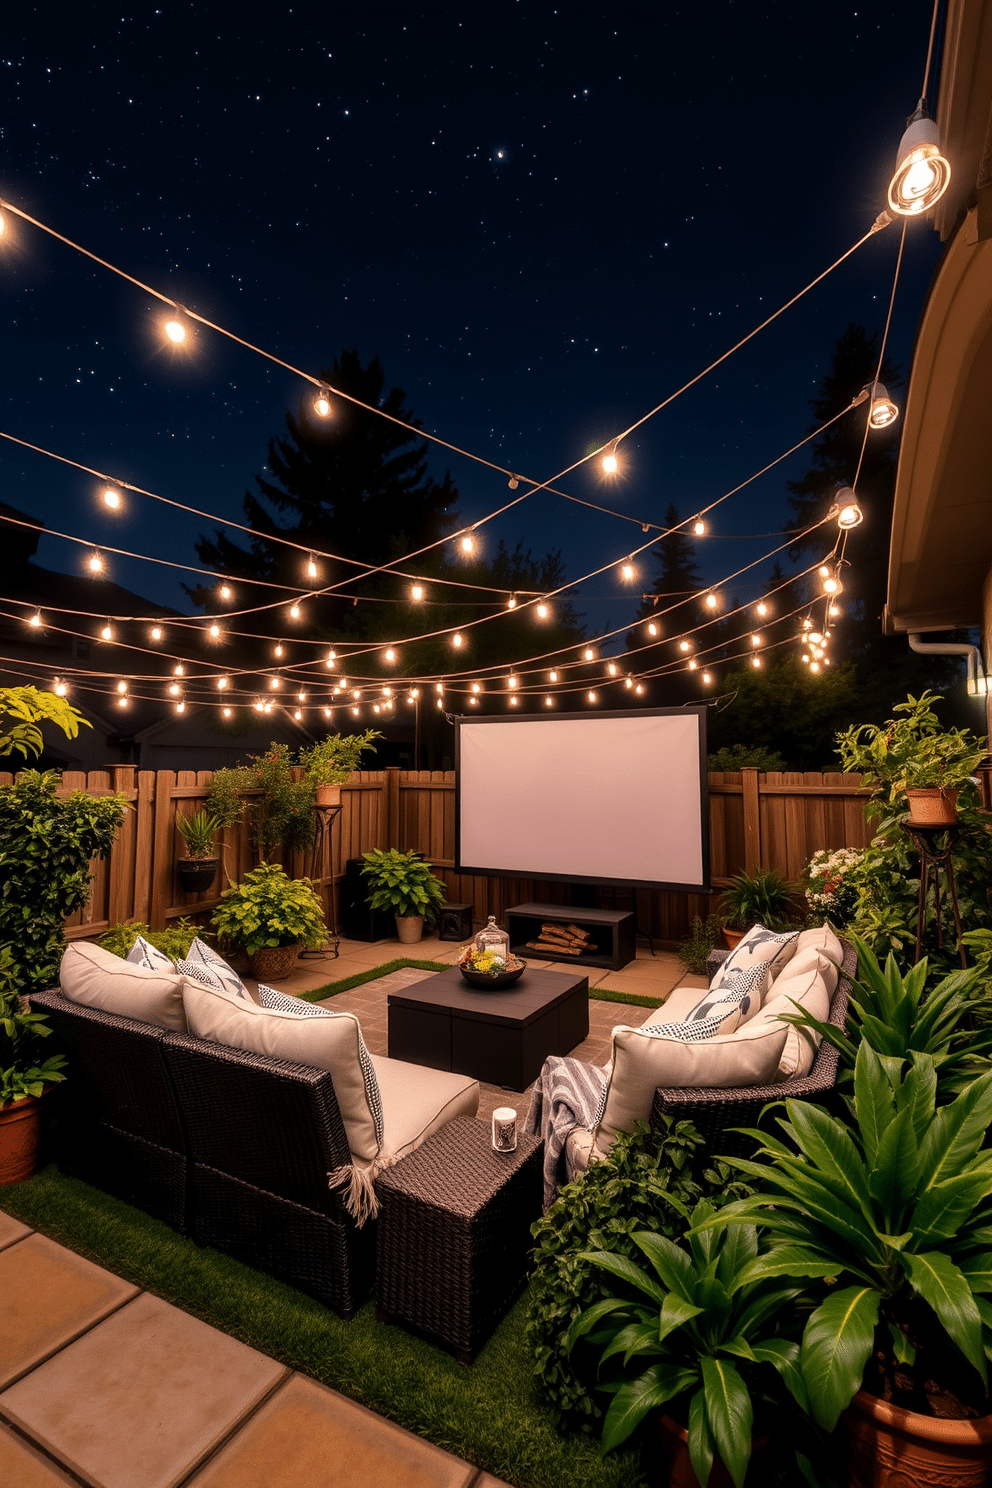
column 499, row 1037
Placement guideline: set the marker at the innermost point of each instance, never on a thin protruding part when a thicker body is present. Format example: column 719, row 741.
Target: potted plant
column 331, row 760
column 404, row 883
column 761, row 898
column 197, row 869
column 270, row 917
column 277, row 806
column 911, row 759
column 886, row 1220
column 24, row 1076
column 704, row 1325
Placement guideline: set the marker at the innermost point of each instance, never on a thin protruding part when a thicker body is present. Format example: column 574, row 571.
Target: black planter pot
column 196, row 874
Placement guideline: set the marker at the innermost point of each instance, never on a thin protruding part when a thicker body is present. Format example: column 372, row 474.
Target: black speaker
column 358, row 922
column 455, row 922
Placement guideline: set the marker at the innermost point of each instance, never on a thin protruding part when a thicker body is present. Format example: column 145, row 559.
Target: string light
column 178, row 670
column 468, row 543
column 277, row 651
column 439, row 687
column 122, row 702
column 922, row 174
column 589, row 654
column 511, row 603
column 756, row 661
column 474, row 702
column 275, row 683
column 224, row 592
column 35, row 621
column 258, row 705
column 294, row 612
column 543, row 611
column 311, row 567
column 513, row 702
column 756, row 639
column 611, row 668
column 301, row 696
column 155, row 633
column 175, row 330
column 814, row 666
column 591, row 696
column 416, row 591
column 111, row 498
column 513, row 482
column 59, row 687
column 322, row 404
column 332, row 657
column 883, row 411
column 387, row 692
column 652, row 628
column 707, row 679
column 180, row 707
column 226, row 712
column 693, row 664
column 456, row 641
column 549, row 702
column 627, row 570
column 639, row 690
column 223, row 683
column 174, row 689
column 390, row 654
column 511, row 681
column 327, row 712
column 610, row 462
column 553, row 675
column 95, row 563
column 832, row 583
column 846, row 510
column 476, row 687
column 356, row 711
column 215, row 631
column 762, row 608
column 699, row 527
column 833, row 611
column 122, row 687
column 711, row 601
column 107, row 633
column 298, row 714
column 439, row 702
column 629, row 681
column 685, row 645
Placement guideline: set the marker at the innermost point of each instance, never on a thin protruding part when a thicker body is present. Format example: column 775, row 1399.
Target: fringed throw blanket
column 567, row 1094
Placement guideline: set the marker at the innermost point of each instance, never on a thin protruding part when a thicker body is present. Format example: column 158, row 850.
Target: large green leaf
column 944, row 1208
column 956, row 1133
column 700, row 1442
column 874, row 1103
column 827, row 1143
column 788, row 1260
column 836, row 1344
column 785, row 1357
column 918, row 1093
column 627, row 1271
column 977, row 1271
column 940, row 1283
column 634, row 1400
column 730, row 1416
column 636, row 1338
column 669, row 1260
column 737, row 1247
column 892, row 1179
column 675, row 1311
column 763, row 1306
column 587, row 1320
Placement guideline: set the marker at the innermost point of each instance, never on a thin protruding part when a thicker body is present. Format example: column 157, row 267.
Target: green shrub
column 644, row 1183
column 269, row 909
column 46, row 843
column 745, row 756
column 173, row 942
column 705, row 935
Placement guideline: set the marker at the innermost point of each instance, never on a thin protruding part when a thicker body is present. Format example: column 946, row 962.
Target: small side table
column 935, row 846
column 454, row 1234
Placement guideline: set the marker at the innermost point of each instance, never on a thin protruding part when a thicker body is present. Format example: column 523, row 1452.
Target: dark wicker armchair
column 716, row 1112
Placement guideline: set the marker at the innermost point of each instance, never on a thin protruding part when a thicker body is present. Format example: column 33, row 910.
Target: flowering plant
column 830, row 888
column 487, row 963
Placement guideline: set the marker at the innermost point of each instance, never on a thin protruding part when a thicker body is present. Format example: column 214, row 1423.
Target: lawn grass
column 596, row 994
column 490, row 1414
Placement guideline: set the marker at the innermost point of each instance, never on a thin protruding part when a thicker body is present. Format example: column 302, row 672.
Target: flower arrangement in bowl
column 488, row 970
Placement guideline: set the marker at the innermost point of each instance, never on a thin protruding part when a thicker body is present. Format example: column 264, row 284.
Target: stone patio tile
column 22, row 1467
column 11, row 1229
column 488, row 1481
column 160, row 1390
column 50, row 1296
column 307, row 1434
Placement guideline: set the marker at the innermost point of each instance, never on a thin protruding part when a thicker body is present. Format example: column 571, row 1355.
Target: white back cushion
column 812, row 986
column 99, row 979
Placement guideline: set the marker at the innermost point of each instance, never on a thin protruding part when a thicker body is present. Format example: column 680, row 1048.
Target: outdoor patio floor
column 107, row 1385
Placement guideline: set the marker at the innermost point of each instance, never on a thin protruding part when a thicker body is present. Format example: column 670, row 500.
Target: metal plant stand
column 935, row 845
column 325, row 816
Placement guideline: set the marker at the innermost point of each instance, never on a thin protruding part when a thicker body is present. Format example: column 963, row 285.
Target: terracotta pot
column 889, row 1447
column 273, row 963
column 933, row 808
column 673, row 1440
column 732, row 937
column 409, row 928
column 328, row 795
column 20, row 1138
column 195, row 875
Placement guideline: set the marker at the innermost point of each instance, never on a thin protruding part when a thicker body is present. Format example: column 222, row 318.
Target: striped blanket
column 567, row 1094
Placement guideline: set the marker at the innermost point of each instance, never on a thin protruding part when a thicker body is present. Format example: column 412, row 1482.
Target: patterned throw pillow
column 202, row 955
column 734, row 997
column 143, row 953
column 761, row 946
column 269, row 998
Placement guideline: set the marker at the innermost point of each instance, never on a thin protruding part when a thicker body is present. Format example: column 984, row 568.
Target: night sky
column 542, row 218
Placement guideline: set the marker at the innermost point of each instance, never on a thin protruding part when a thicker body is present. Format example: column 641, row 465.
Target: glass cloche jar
column 494, row 940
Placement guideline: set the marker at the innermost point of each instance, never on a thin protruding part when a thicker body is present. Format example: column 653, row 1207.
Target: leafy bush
column 277, row 808
column 22, row 1070
column 269, row 909
column 29, row 707
column 745, row 756
column 764, row 897
column 648, row 1180
column 173, row 942
column 705, row 935
column 46, row 843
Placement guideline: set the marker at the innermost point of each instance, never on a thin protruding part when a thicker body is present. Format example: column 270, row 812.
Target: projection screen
column 614, row 798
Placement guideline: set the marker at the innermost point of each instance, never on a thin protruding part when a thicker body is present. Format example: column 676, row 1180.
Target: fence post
column 752, row 820
column 120, row 895
column 392, row 803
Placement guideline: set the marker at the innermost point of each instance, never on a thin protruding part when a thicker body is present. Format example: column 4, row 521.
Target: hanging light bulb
column 177, row 670
column 511, row 681
column 883, row 411
column 611, row 668
column 652, row 628
column 814, row 638
column 439, row 687
column 591, row 696
column 95, row 563
column 390, row 654
column 589, row 654
column 111, row 498
column 224, row 592
column 180, row 707
column 175, row 330
column 35, row 621
column 711, row 601
column 699, row 527
column 322, row 404
column 639, row 690
column 327, row 712
column 832, row 583
column 275, row 683
column 685, row 645
column 301, row 696
column 311, row 567
column 549, row 702
column 174, row 689
column 258, row 705
column 277, row 651
column 814, row 666
column 387, row 692
column 155, row 633
column 762, row 608
column 629, row 682
column 804, row 657
column 513, row 702
column 223, row 683
column 267, row 708
column 214, row 631
column 922, row 174
column 807, row 624
column 439, row 702
column 543, row 611
column 294, row 612
column 833, row 611
column 513, row 482
column 332, row 657
column 756, row 661
column 107, row 633
column 476, row 687
column 59, row 687
column 456, row 641
column 474, row 702
column 707, row 678
column 298, row 714
column 610, row 462
column 356, row 711
column 756, row 638
column 416, row 591
column 468, row 543
column 511, row 603
column 693, row 664
column 225, row 712
column 122, row 687
column 627, row 570
column 553, row 675
column 122, row 702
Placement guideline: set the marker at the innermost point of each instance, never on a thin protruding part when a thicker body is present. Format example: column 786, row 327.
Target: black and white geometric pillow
column 201, row 954
column 205, row 975
column 733, row 999
column 269, row 998
column 143, row 953
column 761, row 945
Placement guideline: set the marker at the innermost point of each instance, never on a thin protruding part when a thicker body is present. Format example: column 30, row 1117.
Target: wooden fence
column 774, row 820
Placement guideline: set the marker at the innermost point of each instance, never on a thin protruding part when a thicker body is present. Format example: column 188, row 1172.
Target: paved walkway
column 106, row 1385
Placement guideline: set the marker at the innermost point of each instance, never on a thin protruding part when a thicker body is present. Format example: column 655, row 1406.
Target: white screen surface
column 616, row 797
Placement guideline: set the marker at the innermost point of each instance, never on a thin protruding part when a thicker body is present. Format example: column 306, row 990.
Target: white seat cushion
column 824, row 940
column 331, row 1042
column 99, row 979
column 416, row 1102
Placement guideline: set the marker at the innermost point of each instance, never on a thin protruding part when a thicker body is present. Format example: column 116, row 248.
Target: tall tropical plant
column 891, row 1215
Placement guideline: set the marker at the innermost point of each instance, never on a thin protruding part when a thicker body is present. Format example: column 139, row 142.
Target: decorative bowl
column 484, row 981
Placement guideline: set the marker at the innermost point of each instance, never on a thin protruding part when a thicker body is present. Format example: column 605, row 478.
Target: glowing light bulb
column 824, row 570
column 122, row 687
column 832, row 585
column 543, row 611
column 627, row 570
column 156, row 633
column 387, row 692
column 222, row 683
column 883, row 411
column 416, row 591
column 275, row 683
column 122, row 702
column 95, row 563
column 476, row 687
column 415, row 692
column 174, row 689
column 693, row 664
column 591, row 696
column 814, row 637
column 513, row 702
column 610, row 462
column 298, row 714
column 322, row 405
column 468, row 544
column 639, row 690
column 549, row 702
column 511, row 681
column 438, row 686
column 180, row 707
column 60, row 688
column 294, row 612
column 311, row 568
column 177, row 670
column 267, row 708
column 175, row 330
column 225, row 712
column 804, row 657
column 35, row 621
column 224, row 592
column 390, row 654
column 456, row 641
column 756, row 638
column 685, row 646
column 814, row 666
column 589, row 654
column 833, row 611
column 756, row 661
column 807, row 624
column 214, row 631
column 258, row 705
column 707, row 678
column 652, row 628
column 277, row 651
column 107, row 633
column 327, row 712
column 552, row 676
column 301, row 697
column 711, row 601
column 474, row 702
column 629, row 682
column 111, row 498
column 699, row 527
column 511, row 603
column 355, row 712
column 762, row 608
column 922, row 174
column 332, row 657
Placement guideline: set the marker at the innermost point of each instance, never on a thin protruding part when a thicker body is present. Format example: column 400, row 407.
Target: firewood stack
column 563, row 940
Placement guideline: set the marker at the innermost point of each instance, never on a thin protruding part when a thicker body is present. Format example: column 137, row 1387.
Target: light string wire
column 882, row 220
